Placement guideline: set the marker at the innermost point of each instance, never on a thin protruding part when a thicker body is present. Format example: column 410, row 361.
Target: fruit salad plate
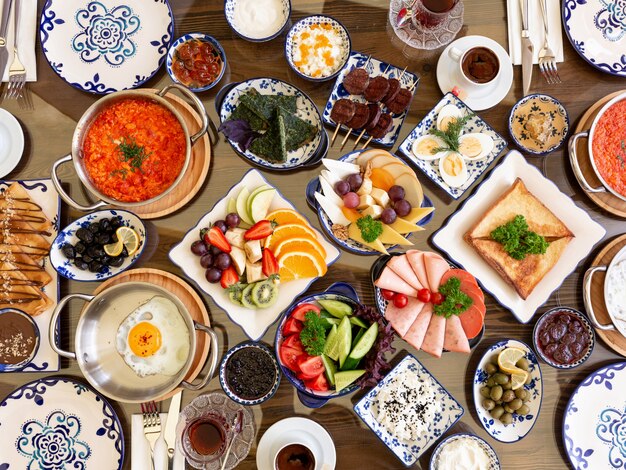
column 488, row 144
column 254, row 322
column 387, row 170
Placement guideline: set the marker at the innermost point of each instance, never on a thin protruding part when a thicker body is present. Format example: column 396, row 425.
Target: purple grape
column 206, row 261
column 388, row 216
column 215, row 250
column 223, row 261
column 221, row 225
column 402, row 207
column 396, row 193
column 342, row 188
column 351, row 200
column 213, row 275
column 199, row 248
column 355, row 181
column 232, row 220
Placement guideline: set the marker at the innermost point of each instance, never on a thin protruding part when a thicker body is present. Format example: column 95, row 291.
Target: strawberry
column 259, row 231
column 216, row 238
column 229, row 277
column 269, row 263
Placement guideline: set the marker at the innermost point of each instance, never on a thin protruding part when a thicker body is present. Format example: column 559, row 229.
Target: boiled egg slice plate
column 423, row 146
column 448, row 114
column 475, row 146
column 453, row 170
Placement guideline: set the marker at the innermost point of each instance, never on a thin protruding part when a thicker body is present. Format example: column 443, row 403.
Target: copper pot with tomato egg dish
column 131, row 148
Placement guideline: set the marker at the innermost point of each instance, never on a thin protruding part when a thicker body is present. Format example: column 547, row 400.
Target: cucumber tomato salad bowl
column 329, row 344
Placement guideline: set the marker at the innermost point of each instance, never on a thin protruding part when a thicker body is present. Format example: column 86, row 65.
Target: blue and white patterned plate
column 66, row 267
column 67, row 426
column 42, row 192
column 597, row 31
column 431, row 168
column 410, row 451
column 306, row 110
column 103, row 46
column 349, row 244
column 521, row 425
column 229, row 13
column 205, row 38
column 374, row 67
column 494, row 462
column 305, row 23
column 594, row 422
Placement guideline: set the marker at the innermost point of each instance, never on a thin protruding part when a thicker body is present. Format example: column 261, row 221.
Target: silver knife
column 4, row 21
column 527, row 49
column 170, row 426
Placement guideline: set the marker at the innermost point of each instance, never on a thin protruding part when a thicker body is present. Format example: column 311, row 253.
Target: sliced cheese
column 403, row 226
column 329, row 176
column 417, row 214
column 355, row 234
column 390, row 236
column 329, row 192
column 341, row 169
column 366, row 187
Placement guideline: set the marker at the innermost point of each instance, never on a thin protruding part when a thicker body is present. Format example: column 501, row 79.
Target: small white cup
column 296, row 442
column 459, row 56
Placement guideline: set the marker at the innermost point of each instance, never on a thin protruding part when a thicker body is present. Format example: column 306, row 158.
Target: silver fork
column 151, row 425
column 17, row 72
column 547, row 62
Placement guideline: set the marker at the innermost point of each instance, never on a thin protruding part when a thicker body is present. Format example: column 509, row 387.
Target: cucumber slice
column 331, row 321
column 325, row 314
column 344, row 333
column 350, row 363
column 345, row 378
column 358, row 337
column 330, row 368
column 336, row 308
column 366, row 342
column 331, row 347
column 358, row 322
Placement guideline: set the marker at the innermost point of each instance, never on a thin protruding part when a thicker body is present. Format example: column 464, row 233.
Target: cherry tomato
column 300, row 311
column 436, row 298
column 387, row 294
column 423, row 295
column 400, row 300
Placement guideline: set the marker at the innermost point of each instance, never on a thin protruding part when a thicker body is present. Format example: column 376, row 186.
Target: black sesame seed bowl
column 249, row 373
column 77, row 253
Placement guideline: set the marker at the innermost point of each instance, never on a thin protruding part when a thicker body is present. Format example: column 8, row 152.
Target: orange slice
column 298, row 265
column 288, row 231
column 306, row 244
column 287, row 216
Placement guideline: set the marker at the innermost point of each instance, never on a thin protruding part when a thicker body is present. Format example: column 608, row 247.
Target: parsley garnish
column 451, row 135
column 313, row 335
column 517, row 240
column 455, row 302
column 131, row 152
column 370, row 229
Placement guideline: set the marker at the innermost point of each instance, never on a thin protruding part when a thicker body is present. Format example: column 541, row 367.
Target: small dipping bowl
column 529, row 114
column 230, row 7
column 205, row 38
column 245, row 365
column 494, row 463
column 585, row 330
column 19, row 339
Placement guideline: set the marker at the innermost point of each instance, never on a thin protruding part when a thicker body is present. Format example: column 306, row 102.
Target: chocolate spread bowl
column 87, row 119
column 19, row 339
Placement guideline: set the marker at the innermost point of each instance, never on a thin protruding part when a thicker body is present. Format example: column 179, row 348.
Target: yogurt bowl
column 463, row 448
column 257, row 20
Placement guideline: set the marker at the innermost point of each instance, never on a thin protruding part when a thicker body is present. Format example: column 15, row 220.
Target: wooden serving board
column 187, row 296
column 612, row 338
column 196, row 172
column 605, row 200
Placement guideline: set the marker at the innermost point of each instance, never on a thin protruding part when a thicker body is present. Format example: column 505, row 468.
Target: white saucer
column 448, row 74
column 11, row 142
column 302, row 430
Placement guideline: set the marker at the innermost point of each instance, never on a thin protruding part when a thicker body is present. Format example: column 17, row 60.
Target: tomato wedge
column 292, row 326
column 293, row 342
column 301, row 310
column 311, row 366
column 289, row 358
column 319, row 384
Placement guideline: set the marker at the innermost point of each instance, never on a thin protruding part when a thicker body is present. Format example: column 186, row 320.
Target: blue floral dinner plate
column 431, row 167
column 374, row 67
column 68, row 425
column 594, row 430
column 106, row 45
column 597, row 31
column 410, row 451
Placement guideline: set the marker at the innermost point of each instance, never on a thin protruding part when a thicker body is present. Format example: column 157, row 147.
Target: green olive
column 497, row 412
column 501, row 378
column 523, row 410
column 526, row 399
column 520, row 393
column 489, row 404
column 506, row 419
column 508, row 385
column 523, row 364
column 508, row 395
column 490, row 382
column 508, row 409
column 499, row 402
column 485, row 391
column 491, row 368
column 496, row 392
column 516, row 404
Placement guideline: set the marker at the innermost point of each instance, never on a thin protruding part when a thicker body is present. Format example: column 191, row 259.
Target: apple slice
column 231, row 206
column 242, row 205
column 383, row 160
column 341, row 169
column 329, row 192
column 254, row 192
column 334, row 212
column 412, row 189
column 366, row 156
column 329, row 176
column 260, row 204
column 397, row 169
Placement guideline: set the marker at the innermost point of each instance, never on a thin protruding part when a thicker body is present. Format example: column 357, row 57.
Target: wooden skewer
column 332, row 141
column 359, row 138
column 368, row 142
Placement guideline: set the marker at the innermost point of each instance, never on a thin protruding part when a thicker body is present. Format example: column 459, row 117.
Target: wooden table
column 57, row 107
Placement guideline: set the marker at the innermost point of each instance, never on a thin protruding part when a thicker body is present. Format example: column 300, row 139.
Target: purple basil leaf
column 239, row 131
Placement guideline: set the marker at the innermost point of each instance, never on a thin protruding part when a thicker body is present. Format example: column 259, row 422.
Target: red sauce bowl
column 196, row 61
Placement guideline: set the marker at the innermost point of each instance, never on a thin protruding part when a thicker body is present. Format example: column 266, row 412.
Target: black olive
column 106, row 260
column 80, row 263
column 105, row 225
column 115, row 223
column 95, row 266
column 84, row 235
column 94, row 227
column 98, row 252
column 116, row 262
column 93, row 251
column 124, row 252
column 80, row 248
column 114, row 237
column 87, row 258
column 102, row 238
column 68, row 251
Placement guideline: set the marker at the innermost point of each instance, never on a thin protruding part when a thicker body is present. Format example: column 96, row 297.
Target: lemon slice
column 129, row 238
column 114, row 249
column 518, row 379
column 508, row 358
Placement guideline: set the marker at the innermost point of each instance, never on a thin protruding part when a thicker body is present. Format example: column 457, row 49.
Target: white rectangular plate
column 450, row 237
column 253, row 322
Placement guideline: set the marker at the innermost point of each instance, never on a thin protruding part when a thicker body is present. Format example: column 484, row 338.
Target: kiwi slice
column 264, row 294
column 235, row 293
column 247, row 299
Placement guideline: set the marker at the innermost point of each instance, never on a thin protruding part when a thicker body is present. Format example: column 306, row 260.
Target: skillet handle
column 53, row 322
column 213, row 360
column 198, row 105
column 573, row 158
column 66, row 197
column 587, row 298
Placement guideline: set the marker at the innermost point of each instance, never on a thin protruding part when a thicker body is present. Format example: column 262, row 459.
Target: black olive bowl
column 228, row 390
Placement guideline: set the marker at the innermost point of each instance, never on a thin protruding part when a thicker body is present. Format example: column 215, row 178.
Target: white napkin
column 140, row 449
column 27, row 31
column 535, row 25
